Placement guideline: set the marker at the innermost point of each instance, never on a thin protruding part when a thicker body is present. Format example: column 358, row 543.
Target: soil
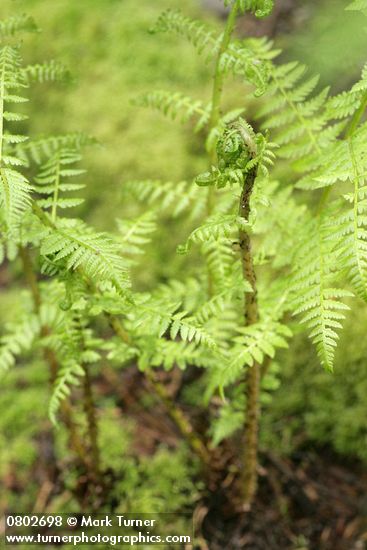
column 312, row 500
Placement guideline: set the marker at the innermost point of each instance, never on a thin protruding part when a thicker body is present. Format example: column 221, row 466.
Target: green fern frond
column 358, row 5
column 194, row 31
column 156, row 316
column 49, row 71
column 172, row 198
column 175, row 104
column 214, row 228
column 68, row 375
column 168, row 354
column 339, row 162
column 253, row 345
column 220, row 259
column 296, row 117
column 213, row 307
column 348, row 228
column 18, row 23
column 19, row 339
column 248, row 58
column 135, row 233
column 14, row 188
column 190, row 330
column 41, row 149
column 346, row 103
column 54, row 179
column 260, row 8
column 318, row 300
column 75, row 245
column 14, row 196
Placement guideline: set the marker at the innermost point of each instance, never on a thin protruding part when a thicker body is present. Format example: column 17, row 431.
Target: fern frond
column 358, row 5
column 14, row 196
column 75, row 245
column 19, row 339
column 175, row 104
column 260, row 8
column 190, row 330
column 220, row 259
column 170, row 197
column 68, row 375
column 346, row 103
column 14, row 188
column 214, row 228
column 318, row 300
column 348, row 228
column 253, row 345
column 19, row 23
column 248, row 58
column 49, row 71
column 339, row 162
column 160, row 317
column 54, row 179
column 41, row 149
column 296, row 117
column 168, row 354
column 135, row 233
column 194, row 31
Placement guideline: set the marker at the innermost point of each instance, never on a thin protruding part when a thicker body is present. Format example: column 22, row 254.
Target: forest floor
column 312, row 500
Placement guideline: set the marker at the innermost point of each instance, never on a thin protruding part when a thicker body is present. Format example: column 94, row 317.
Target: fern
column 197, row 33
column 39, row 150
column 135, row 233
column 348, row 224
column 216, row 227
column 167, row 197
column 51, row 181
column 49, row 71
column 298, row 119
column 151, row 318
column 75, row 245
column 14, row 187
column 260, row 8
column 318, row 300
column 254, row 344
column 358, row 5
column 247, row 59
column 19, row 23
column 174, row 104
column 68, row 376
column 19, row 339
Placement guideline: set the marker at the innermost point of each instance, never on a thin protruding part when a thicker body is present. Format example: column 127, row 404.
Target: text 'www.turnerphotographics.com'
column 86, row 529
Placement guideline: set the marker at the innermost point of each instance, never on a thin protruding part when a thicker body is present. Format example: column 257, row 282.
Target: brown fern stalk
column 76, row 443
column 253, row 374
column 181, row 421
column 90, row 413
column 189, row 433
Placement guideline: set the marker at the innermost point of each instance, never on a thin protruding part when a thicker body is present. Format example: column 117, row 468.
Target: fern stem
column 90, row 413
column 75, row 441
column 215, row 112
column 180, row 420
column 253, row 374
column 357, row 117
column 30, row 277
column 218, row 78
column 56, row 192
column 177, row 416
